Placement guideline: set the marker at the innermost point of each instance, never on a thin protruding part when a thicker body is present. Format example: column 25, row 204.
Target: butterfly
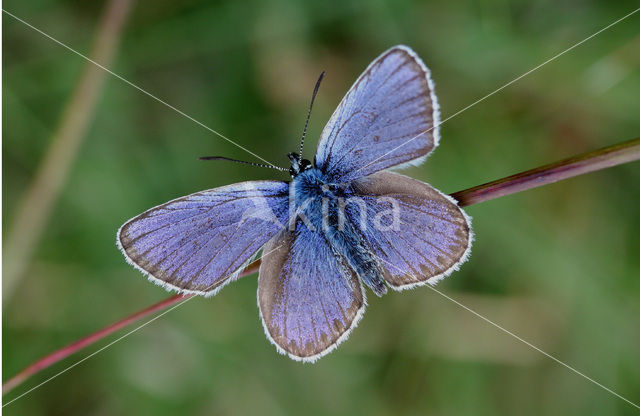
column 341, row 223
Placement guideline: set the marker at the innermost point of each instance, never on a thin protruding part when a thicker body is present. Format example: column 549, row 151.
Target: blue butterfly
column 341, row 222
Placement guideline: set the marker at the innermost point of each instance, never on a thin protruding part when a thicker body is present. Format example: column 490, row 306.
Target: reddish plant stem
column 567, row 168
column 69, row 349
column 64, row 352
column 588, row 162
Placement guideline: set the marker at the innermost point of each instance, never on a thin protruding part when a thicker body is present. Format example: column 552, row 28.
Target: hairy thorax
column 332, row 209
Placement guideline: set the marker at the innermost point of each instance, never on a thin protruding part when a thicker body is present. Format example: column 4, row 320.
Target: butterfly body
column 330, row 209
column 341, row 222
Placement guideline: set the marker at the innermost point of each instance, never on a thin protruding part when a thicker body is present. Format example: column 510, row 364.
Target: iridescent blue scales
column 195, row 244
column 337, row 226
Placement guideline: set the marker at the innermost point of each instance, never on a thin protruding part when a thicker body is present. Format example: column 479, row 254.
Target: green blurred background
column 559, row 265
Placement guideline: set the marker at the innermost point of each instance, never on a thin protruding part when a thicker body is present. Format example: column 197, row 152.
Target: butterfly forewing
column 309, row 300
column 195, row 243
column 418, row 234
column 389, row 117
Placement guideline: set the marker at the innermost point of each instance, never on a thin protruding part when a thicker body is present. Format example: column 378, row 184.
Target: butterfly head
column 298, row 164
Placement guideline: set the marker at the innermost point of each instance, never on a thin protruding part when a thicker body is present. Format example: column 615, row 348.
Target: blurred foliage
column 558, row 265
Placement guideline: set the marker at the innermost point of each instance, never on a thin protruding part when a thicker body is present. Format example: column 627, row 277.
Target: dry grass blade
column 34, row 208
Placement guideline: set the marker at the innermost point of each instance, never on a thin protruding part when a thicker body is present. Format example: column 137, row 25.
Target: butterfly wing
column 309, row 299
column 418, row 234
column 390, row 116
column 196, row 243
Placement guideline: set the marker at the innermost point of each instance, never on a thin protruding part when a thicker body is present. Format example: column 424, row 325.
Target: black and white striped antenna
column 258, row 165
column 306, row 123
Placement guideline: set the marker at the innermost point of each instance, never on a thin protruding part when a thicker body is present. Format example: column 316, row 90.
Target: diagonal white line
column 112, row 342
column 533, row 346
column 96, row 352
column 517, row 337
column 503, row 87
column 139, row 89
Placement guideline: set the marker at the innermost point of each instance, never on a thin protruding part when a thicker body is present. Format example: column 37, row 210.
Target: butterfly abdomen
column 347, row 242
column 322, row 206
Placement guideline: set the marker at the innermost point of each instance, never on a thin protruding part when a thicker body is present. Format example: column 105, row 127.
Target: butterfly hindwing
column 196, row 243
column 418, row 234
column 389, row 117
column 309, row 299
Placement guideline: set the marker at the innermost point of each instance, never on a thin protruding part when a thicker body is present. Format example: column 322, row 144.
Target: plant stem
column 69, row 349
column 588, row 162
column 64, row 352
column 567, row 168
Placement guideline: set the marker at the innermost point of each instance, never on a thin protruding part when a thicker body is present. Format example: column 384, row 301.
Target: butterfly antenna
column 306, row 123
column 259, row 165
